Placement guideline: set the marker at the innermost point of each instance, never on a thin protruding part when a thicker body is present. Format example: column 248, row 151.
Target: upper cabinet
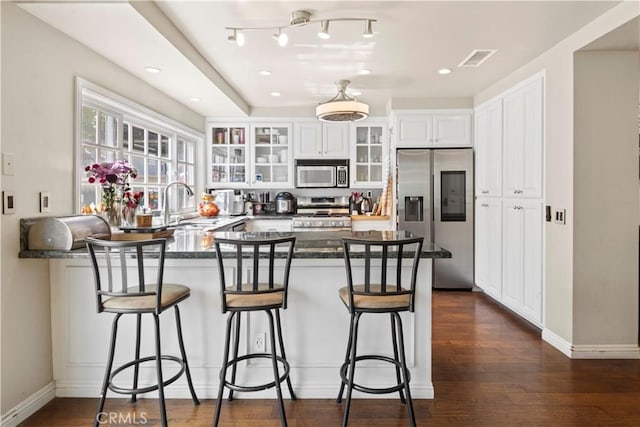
column 522, row 141
column 438, row 128
column 227, row 155
column 272, row 166
column 321, row 140
column 488, row 148
column 369, row 151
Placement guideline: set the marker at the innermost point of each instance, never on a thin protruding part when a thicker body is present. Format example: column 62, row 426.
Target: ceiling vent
column 477, row 57
column 342, row 108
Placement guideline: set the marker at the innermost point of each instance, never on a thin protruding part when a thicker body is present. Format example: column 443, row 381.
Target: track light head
column 324, row 30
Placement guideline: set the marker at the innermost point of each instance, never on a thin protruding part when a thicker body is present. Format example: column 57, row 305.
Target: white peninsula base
column 315, row 328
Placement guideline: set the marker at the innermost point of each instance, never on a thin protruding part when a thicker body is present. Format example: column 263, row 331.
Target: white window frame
column 128, row 111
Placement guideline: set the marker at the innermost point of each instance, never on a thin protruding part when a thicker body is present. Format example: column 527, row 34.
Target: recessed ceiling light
column 365, row 71
column 153, row 70
column 444, row 71
column 195, row 99
column 275, row 93
column 265, row 73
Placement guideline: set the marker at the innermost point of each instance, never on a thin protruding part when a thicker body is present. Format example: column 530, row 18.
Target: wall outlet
column 260, row 342
column 45, row 196
column 8, row 202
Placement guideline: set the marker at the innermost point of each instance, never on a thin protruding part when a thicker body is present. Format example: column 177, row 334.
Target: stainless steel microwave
column 321, row 173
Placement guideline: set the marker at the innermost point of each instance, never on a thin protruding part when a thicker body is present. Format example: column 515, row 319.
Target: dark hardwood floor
column 489, row 369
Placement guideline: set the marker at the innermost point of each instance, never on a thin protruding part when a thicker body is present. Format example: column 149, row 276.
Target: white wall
column 559, row 163
column 606, row 198
column 38, row 69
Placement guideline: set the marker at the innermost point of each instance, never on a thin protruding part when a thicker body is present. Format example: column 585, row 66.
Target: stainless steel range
column 322, row 214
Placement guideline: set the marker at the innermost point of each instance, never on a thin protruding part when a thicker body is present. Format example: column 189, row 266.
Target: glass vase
column 113, row 214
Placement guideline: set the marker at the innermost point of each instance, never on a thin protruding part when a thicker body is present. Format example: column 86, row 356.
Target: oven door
column 315, row 176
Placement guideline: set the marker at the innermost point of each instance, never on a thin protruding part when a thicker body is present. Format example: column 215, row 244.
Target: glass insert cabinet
column 271, row 155
column 370, row 152
column 227, row 152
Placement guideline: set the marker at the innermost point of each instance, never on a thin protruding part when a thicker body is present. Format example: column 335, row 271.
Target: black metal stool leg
column 395, row 355
column 137, row 356
column 236, row 344
column 346, row 357
column 282, row 353
column 107, row 372
column 352, row 368
column 405, row 375
column 184, row 357
column 223, row 370
column 163, row 409
column 276, row 375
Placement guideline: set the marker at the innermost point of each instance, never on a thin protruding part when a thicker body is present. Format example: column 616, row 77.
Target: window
column 112, row 128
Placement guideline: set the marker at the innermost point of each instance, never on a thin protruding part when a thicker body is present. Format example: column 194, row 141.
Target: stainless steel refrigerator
column 435, row 200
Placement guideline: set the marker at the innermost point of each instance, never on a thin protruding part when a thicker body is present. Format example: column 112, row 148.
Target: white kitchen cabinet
column 227, row 155
column 259, row 224
column 372, row 224
column 369, row 153
column 321, row 140
column 271, row 157
column 488, row 149
column 522, row 141
column 488, row 246
column 522, row 257
column 435, row 128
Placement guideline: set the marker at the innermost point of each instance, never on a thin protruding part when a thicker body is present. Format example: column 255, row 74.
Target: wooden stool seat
column 388, row 301
column 171, row 294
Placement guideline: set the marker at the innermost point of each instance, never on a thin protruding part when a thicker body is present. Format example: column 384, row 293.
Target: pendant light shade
column 342, row 108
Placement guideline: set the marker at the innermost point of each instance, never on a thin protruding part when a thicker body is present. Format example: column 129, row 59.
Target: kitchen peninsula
column 315, row 324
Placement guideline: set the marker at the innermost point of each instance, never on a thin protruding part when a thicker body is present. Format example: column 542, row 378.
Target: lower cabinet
column 488, row 247
column 284, row 224
column 522, row 257
column 508, row 254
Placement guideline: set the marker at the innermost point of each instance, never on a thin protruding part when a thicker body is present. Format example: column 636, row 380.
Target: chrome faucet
column 165, row 204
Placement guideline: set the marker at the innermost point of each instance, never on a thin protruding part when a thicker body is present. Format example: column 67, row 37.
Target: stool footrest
column 122, row 390
column 374, row 390
column 259, row 387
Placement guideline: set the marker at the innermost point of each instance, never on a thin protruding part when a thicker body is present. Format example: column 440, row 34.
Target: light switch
column 8, row 166
column 45, row 196
column 560, row 216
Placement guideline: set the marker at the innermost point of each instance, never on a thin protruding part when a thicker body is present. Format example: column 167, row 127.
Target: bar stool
column 381, row 297
column 131, row 282
column 259, row 292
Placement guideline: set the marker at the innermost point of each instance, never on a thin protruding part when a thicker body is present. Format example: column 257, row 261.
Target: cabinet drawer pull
column 485, row 191
column 484, row 205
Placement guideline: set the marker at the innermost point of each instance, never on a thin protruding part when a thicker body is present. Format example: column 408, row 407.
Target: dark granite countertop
column 193, row 243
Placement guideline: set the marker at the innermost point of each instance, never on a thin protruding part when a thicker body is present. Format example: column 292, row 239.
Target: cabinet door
column 227, row 155
column 308, row 140
column 414, row 131
column 451, row 130
column 488, row 247
column 281, row 225
column 488, row 143
column 522, row 257
column 368, row 138
column 335, row 140
column 271, row 167
column 523, row 135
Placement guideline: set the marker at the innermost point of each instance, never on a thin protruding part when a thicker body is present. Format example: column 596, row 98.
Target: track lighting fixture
column 299, row 18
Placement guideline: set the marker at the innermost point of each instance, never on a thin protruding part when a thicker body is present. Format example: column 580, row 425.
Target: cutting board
column 142, row 236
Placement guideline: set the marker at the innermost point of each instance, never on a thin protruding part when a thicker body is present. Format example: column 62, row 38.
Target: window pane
column 138, row 139
column 88, row 125
column 106, row 156
column 125, row 136
column 101, row 127
column 181, row 175
column 89, row 156
column 153, row 143
column 181, row 150
column 153, row 171
column 165, row 172
column 190, row 175
column 138, row 163
column 191, row 152
column 88, row 195
column 164, row 146
column 152, row 198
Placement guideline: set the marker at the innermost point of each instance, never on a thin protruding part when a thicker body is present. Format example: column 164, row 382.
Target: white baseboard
column 604, row 351
column 29, row 406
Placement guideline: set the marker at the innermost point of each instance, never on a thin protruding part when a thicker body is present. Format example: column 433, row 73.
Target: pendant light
column 342, row 107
